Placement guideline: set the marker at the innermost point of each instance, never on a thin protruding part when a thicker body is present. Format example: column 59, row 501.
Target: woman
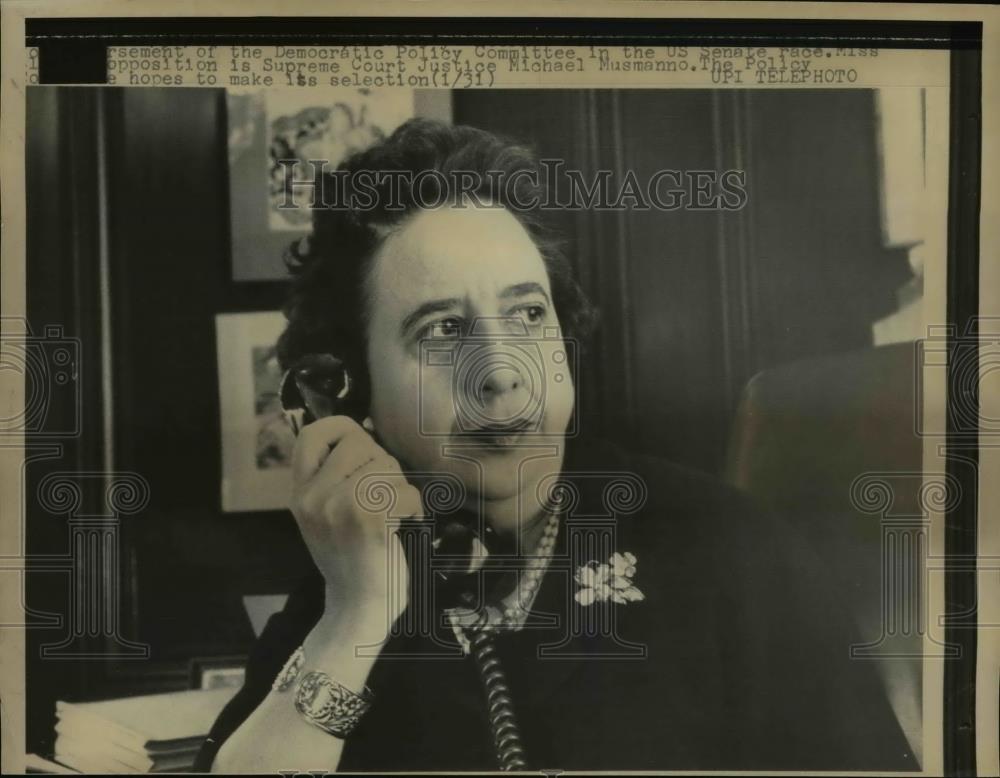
column 609, row 612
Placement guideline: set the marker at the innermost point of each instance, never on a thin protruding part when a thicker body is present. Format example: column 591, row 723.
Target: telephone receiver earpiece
column 316, row 386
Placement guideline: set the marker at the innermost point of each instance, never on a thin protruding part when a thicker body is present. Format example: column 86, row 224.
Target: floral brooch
column 609, row 581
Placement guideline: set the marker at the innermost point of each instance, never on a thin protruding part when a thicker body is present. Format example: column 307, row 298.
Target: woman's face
column 468, row 369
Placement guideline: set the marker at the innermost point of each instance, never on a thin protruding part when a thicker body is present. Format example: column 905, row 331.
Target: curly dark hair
column 328, row 305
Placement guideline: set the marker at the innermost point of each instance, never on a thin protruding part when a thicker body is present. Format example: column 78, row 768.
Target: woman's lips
column 499, row 438
column 498, row 441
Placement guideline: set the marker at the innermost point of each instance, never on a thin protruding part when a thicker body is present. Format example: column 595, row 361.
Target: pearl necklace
column 511, row 612
column 517, row 604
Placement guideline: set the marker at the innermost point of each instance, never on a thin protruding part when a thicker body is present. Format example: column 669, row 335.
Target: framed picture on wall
column 274, row 135
column 256, row 440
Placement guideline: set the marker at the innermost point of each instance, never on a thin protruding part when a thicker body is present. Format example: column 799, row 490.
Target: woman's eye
column 446, row 328
column 533, row 314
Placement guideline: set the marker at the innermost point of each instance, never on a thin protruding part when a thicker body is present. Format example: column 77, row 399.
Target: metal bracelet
column 329, row 705
column 290, row 671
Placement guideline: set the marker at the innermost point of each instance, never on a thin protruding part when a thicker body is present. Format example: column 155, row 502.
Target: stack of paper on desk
column 147, row 734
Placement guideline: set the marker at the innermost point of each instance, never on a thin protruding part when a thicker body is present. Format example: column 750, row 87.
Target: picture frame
column 265, row 126
column 256, row 440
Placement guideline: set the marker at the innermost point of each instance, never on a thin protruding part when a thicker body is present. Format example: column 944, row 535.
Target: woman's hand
column 344, row 484
column 335, row 463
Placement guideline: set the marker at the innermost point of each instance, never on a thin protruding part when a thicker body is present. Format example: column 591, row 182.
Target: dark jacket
column 737, row 658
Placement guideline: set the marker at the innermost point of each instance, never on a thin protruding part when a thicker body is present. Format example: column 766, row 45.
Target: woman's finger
column 316, row 441
column 356, row 449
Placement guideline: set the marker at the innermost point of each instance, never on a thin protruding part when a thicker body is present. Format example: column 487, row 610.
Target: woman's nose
column 498, row 386
column 499, row 379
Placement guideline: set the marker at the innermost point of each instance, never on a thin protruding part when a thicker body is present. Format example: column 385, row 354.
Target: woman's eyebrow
column 523, row 290
column 424, row 309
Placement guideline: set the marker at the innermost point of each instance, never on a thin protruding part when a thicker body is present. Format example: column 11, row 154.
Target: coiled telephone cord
column 500, row 706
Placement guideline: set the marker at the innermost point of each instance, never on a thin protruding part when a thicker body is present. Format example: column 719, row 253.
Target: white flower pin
column 609, row 581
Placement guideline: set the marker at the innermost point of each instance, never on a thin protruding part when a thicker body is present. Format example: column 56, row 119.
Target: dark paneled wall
column 62, row 199
column 185, row 565
column 169, row 222
column 696, row 302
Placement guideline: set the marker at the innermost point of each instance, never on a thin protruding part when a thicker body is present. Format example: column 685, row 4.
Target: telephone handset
column 319, row 385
